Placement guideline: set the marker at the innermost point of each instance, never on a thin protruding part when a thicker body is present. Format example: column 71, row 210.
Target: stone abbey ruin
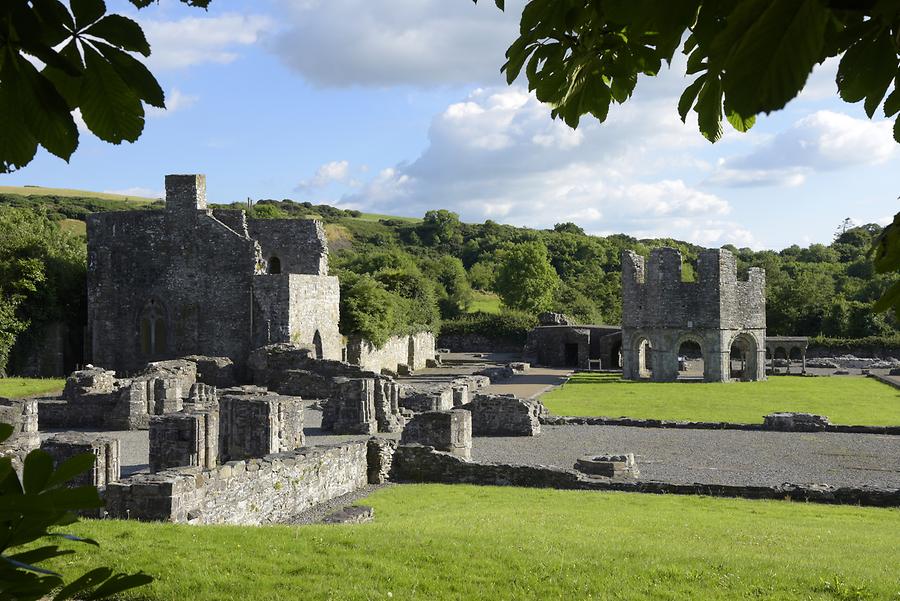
column 214, row 340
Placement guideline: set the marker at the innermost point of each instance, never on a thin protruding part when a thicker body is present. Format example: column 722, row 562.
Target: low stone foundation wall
column 257, row 491
column 504, row 415
column 414, row 463
column 413, row 351
column 566, row 420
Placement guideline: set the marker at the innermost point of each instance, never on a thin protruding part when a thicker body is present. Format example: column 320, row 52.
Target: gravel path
column 713, row 456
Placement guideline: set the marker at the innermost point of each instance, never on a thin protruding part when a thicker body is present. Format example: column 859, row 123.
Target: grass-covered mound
column 844, row 400
column 466, row 542
column 19, row 387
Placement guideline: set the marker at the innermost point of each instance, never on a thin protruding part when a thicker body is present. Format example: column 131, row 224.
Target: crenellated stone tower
column 725, row 316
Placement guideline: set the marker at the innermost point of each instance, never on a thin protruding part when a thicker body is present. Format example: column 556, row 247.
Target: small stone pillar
column 107, row 466
column 184, row 438
column 449, row 431
column 351, row 407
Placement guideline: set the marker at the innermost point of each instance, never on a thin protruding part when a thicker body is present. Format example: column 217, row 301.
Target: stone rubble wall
column 189, row 437
column 504, row 415
column 351, row 407
column 449, row 431
column 266, row 490
column 22, row 415
column 107, row 465
column 416, row 463
column 413, row 351
column 255, row 424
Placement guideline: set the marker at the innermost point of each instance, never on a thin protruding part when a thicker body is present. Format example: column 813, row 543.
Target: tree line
column 401, row 275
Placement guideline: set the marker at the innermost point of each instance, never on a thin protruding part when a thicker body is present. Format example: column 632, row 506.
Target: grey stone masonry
column 504, row 415
column 795, row 422
column 106, row 450
column 255, row 423
column 293, row 370
column 412, row 352
column 192, row 281
column 215, row 371
column 351, row 408
column 266, row 490
column 22, row 415
column 725, row 316
column 380, row 455
column 449, row 431
column 189, row 437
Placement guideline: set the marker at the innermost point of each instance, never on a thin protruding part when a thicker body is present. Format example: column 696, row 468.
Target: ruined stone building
column 191, row 280
column 724, row 316
column 558, row 342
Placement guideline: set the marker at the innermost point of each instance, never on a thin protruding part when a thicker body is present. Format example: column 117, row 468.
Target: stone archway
column 691, row 359
column 743, row 358
column 644, row 351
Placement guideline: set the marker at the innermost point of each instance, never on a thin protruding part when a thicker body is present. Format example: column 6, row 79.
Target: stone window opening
column 153, row 330
column 317, row 345
column 274, row 265
column 742, row 358
column 645, row 358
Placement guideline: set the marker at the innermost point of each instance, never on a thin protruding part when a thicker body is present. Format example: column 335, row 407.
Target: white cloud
column 138, row 191
column 498, row 155
column 390, row 42
column 176, row 100
column 200, row 40
column 822, row 141
column 333, row 172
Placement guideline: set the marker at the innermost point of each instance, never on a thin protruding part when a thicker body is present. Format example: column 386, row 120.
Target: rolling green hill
column 65, row 192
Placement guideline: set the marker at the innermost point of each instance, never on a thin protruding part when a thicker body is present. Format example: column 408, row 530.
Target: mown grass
column 845, row 400
column 467, row 542
column 18, row 387
column 485, row 302
column 42, row 191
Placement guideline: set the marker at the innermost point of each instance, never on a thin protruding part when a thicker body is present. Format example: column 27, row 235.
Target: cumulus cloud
column 176, row 100
column 821, row 141
column 498, row 155
column 390, row 42
column 199, row 40
column 333, row 172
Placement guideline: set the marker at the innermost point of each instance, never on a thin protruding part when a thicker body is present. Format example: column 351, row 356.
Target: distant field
column 74, row 226
column 496, row 543
column 844, row 400
column 41, row 191
column 18, row 387
column 378, row 217
column 485, row 302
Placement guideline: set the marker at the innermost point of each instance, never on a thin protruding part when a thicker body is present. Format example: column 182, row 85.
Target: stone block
column 351, row 407
column 795, row 422
column 504, row 415
column 354, row 514
column 186, row 438
column 610, row 466
column 379, row 458
column 106, row 450
column 254, row 423
column 449, row 431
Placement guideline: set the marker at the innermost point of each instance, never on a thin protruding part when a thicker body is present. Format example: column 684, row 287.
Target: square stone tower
column 726, row 317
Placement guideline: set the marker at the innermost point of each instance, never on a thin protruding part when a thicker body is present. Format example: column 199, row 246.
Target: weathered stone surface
column 215, row 371
column 795, row 422
column 610, row 466
column 186, row 438
column 380, row 454
column 413, row 352
column 271, row 489
column 554, row 319
column 504, row 415
column 449, row 431
column 584, row 347
column 354, row 514
column 192, row 281
column 351, row 408
column 22, row 415
column 107, row 465
column 255, row 423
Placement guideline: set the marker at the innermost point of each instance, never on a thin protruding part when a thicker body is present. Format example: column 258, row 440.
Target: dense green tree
column 367, row 309
column 525, row 279
column 482, row 274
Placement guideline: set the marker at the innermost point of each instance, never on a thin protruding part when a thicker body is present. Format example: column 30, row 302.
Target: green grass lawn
column 467, row 542
column 845, row 400
column 19, row 387
column 485, row 302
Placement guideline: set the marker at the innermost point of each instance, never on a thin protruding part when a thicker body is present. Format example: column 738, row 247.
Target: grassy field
column 42, row 191
column 857, row 401
column 19, row 387
column 485, row 302
column 467, row 542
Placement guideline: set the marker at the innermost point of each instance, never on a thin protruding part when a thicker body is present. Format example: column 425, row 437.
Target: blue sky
column 398, row 106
